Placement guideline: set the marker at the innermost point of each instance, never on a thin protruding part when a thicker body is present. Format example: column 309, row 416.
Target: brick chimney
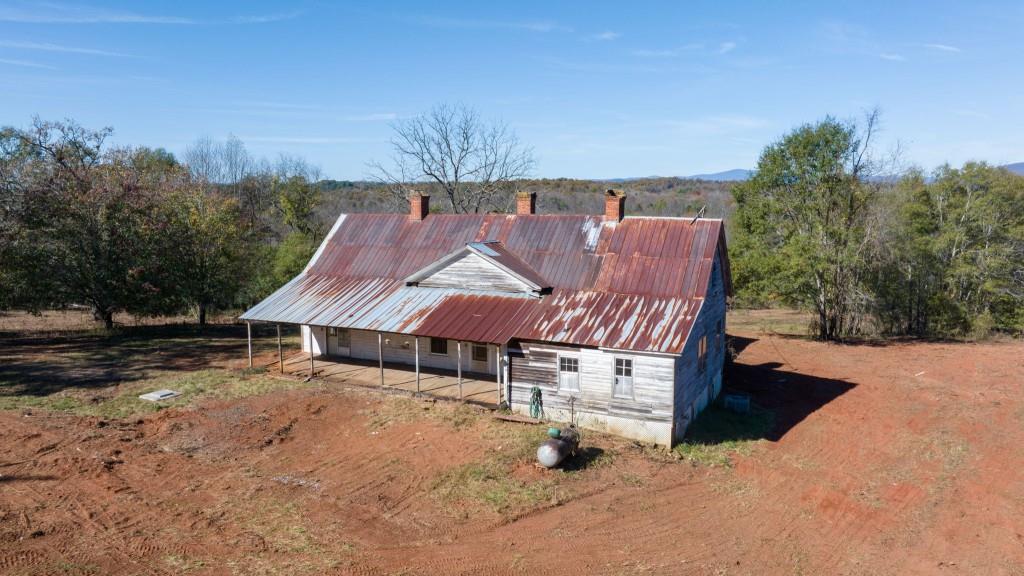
column 419, row 206
column 614, row 205
column 526, row 202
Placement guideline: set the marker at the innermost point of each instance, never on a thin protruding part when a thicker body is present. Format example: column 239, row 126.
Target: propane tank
column 557, row 448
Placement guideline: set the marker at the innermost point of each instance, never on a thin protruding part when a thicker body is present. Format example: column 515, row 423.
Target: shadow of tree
column 40, row 366
column 790, row 396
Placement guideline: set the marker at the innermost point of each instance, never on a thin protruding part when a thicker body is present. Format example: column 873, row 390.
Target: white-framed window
column 479, row 352
column 439, row 346
column 569, row 373
column 623, row 386
column 702, row 353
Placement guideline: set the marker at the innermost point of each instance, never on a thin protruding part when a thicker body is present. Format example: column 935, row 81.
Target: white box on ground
column 158, row 395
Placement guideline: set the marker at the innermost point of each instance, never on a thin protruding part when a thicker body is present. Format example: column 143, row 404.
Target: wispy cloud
column 720, row 124
column 530, row 26
column 53, row 13
column 941, row 47
column 606, row 36
column 319, row 140
column 267, row 18
column 969, row 113
column 26, row 64
column 726, row 47
column 57, row 13
column 47, row 47
column 851, row 39
column 303, row 110
column 668, row 52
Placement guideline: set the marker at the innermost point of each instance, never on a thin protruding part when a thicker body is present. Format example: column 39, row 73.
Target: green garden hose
column 536, row 403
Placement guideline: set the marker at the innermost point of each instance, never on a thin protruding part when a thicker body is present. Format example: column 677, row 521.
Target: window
column 439, row 346
column 623, row 378
column 479, row 353
column 568, row 373
column 702, row 353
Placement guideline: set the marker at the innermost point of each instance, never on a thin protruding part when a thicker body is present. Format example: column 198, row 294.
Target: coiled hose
column 536, row 403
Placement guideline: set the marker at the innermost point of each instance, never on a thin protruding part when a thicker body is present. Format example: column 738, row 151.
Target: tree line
column 132, row 229
column 824, row 225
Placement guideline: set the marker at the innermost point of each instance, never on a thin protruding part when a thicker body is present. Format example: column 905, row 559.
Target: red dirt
column 898, row 459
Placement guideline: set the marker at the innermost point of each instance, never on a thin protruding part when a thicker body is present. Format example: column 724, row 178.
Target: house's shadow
column 788, row 398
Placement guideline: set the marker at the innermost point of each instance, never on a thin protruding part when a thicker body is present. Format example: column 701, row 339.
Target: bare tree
column 473, row 162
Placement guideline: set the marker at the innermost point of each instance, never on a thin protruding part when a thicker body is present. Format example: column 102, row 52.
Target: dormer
column 482, row 267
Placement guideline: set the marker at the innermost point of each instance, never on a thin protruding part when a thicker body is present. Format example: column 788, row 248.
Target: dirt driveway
column 898, row 459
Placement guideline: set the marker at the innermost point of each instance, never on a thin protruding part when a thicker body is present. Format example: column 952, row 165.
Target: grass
column 125, row 402
column 717, row 434
column 489, row 483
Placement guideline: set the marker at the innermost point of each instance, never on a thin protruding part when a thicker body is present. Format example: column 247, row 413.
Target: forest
column 823, row 225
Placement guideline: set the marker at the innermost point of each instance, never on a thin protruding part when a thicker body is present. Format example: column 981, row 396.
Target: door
column 339, row 342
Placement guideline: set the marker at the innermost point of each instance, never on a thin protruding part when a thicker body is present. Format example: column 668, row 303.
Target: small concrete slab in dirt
column 158, row 395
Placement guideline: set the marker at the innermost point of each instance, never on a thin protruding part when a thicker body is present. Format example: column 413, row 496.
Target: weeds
column 192, row 386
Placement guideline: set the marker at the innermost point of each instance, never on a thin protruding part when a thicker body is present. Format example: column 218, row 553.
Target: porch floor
column 476, row 388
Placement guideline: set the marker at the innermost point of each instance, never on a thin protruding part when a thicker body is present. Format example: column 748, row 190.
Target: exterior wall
column 319, row 340
column 471, row 272
column 647, row 416
column 401, row 349
column 696, row 389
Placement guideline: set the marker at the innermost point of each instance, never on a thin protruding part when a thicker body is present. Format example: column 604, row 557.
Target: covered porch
column 444, row 384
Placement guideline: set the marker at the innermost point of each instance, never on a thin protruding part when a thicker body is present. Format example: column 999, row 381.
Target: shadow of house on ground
column 790, row 397
column 40, row 366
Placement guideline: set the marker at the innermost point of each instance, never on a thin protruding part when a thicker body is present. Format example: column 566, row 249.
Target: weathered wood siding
column 646, row 416
column 694, row 388
column 471, row 272
column 401, row 349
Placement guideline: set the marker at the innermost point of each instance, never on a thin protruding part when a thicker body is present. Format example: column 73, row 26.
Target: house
column 618, row 321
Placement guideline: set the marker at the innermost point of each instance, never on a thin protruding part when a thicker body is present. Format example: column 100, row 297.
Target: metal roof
column 632, row 285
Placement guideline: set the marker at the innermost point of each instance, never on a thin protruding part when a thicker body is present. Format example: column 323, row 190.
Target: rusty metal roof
column 632, row 285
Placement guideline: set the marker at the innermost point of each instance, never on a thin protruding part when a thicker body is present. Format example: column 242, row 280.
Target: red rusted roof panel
column 635, row 284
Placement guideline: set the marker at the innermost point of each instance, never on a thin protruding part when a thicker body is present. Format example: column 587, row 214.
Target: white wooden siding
column 401, row 349
column 696, row 389
column 472, row 272
column 536, row 364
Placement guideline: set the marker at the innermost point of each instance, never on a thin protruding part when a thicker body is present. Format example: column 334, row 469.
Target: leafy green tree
column 803, row 221
column 955, row 263
column 209, row 247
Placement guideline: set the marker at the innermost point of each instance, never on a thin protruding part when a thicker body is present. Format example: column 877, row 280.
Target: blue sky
column 599, row 90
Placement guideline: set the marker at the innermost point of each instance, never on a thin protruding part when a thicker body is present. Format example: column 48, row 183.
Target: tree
column 80, row 219
column 804, row 220
column 475, row 163
column 209, row 248
column 953, row 260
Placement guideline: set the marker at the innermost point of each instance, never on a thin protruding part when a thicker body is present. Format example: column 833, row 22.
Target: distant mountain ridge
column 1016, row 168
column 734, row 175
column 725, row 176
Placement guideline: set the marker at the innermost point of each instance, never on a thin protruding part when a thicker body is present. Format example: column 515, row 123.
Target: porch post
column 417, row 364
column 248, row 337
column 459, row 344
column 497, row 370
column 311, row 365
column 280, row 350
column 507, row 375
column 380, row 358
